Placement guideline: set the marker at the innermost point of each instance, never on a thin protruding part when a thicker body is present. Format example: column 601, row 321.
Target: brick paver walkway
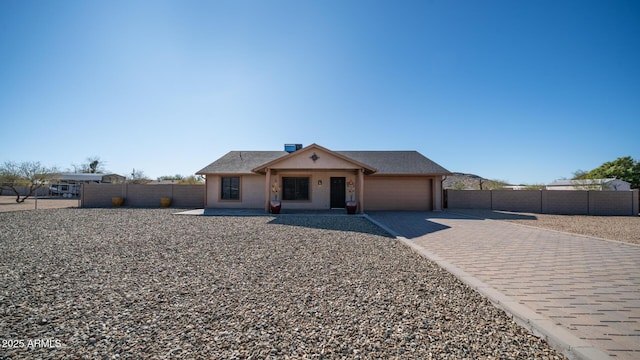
column 581, row 293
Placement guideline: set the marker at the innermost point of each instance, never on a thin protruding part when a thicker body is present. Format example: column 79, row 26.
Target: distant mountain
column 463, row 181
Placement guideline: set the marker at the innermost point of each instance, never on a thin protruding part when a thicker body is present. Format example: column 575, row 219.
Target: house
column 315, row 178
column 68, row 184
column 590, row 184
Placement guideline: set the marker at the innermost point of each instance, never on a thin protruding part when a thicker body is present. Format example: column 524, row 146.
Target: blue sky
column 522, row 91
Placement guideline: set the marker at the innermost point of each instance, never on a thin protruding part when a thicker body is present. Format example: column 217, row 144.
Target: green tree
column 495, row 184
column 579, row 175
column 183, row 180
column 26, row 175
column 176, row 177
column 623, row 168
column 458, row 186
column 192, row 180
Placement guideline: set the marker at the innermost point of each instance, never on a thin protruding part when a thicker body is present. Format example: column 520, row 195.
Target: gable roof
column 241, row 162
column 378, row 162
column 368, row 168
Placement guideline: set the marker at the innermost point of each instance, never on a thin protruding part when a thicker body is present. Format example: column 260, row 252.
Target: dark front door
column 338, row 189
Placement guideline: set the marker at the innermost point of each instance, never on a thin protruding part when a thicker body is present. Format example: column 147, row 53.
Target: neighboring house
column 514, row 187
column 68, row 184
column 590, row 184
column 314, row 177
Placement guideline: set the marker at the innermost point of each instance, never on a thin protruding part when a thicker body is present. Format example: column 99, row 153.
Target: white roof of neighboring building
column 584, row 182
column 85, row 176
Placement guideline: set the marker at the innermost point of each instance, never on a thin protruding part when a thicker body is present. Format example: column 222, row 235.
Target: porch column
column 437, row 198
column 206, row 186
column 361, row 189
column 267, row 190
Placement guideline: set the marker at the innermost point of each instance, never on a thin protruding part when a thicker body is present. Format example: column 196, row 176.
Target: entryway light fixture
column 319, row 182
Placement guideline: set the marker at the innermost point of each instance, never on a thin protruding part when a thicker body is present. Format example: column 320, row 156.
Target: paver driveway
column 582, row 293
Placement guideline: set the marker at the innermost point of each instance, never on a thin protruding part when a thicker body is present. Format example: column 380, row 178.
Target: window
column 295, row 188
column 230, row 189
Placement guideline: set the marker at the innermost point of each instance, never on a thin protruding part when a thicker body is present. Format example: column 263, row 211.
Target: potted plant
column 165, row 202
column 275, row 205
column 117, row 201
column 351, row 205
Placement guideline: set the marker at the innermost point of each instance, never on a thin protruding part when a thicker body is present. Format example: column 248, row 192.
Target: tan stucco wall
column 302, row 160
column 319, row 194
column 380, row 193
column 251, row 193
column 252, row 190
column 398, row 193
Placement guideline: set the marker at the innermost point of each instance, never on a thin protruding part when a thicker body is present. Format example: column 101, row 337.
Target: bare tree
column 25, row 178
column 92, row 165
column 138, row 177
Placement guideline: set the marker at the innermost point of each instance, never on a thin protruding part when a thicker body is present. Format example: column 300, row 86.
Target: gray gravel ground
column 141, row 283
column 620, row 228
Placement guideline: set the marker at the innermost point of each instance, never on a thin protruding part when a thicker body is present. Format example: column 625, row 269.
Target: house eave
column 262, row 169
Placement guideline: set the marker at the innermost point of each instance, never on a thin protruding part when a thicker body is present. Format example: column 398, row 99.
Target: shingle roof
column 241, row 162
column 397, row 162
column 386, row 162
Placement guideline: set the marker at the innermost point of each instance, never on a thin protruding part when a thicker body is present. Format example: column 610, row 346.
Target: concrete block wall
column 469, row 199
column 509, row 200
column 146, row 195
column 565, row 202
column 184, row 196
column 99, row 195
column 608, row 202
column 188, row 196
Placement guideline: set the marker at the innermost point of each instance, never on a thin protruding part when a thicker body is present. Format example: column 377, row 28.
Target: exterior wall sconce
column 319, row 182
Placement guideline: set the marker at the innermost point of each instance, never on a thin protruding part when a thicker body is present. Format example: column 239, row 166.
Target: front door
column 338, row 190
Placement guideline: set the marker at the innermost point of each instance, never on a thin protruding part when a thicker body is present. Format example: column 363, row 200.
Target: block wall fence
column 565, row 202
column 182, row 196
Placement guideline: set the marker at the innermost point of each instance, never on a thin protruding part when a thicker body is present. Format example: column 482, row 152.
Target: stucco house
column 316, row 178
column 611, row 184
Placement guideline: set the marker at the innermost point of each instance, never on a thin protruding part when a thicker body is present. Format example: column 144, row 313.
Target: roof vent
column 292, row 147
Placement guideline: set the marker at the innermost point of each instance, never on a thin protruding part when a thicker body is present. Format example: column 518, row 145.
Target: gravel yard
column 8, row 203
column 133, row 283
column 620, row 228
